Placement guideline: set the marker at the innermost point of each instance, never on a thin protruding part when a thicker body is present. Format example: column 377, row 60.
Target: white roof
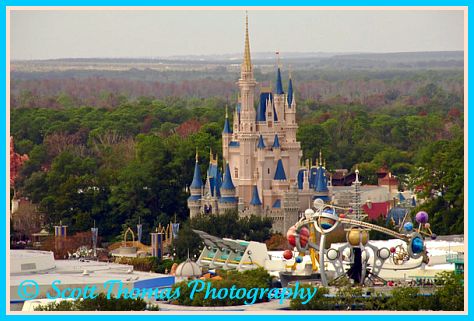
column 71, row 271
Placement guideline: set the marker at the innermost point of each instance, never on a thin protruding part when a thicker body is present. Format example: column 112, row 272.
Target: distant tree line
column 133, row 160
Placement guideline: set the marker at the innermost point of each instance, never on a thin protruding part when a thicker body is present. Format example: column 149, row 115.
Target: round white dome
column 188, row 269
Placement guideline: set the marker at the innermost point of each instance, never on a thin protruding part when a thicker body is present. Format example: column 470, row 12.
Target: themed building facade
column 262, row 173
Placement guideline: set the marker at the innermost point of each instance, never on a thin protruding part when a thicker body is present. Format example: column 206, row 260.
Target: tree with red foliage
column 189, row 127
column 16, row 161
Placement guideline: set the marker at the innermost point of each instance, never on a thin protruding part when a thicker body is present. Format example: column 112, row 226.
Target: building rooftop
column 41, row 267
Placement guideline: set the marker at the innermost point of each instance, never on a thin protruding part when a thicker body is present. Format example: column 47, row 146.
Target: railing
column 455, row 258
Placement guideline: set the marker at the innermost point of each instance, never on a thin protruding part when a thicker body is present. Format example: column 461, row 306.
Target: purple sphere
column 351, row 210
column 434, row 236
column 421, row 217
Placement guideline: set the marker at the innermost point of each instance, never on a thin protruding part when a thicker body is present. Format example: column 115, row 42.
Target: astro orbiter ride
column 324, row 219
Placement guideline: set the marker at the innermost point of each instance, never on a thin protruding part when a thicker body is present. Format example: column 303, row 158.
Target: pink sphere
column 393, row 250
column 422, row 217
column 290, row 236
column 342, row 215
column 304, row 236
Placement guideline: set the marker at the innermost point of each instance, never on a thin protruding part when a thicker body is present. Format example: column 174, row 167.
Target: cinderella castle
column 263, row 174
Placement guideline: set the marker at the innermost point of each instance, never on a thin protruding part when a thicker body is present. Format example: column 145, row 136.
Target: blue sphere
column 417, row 245
column 299, row 259
column 408, row 226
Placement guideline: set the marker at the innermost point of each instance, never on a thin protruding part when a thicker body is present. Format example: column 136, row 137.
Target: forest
column 114, row 150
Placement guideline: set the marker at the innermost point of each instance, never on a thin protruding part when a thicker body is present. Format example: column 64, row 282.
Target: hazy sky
column 154, row 33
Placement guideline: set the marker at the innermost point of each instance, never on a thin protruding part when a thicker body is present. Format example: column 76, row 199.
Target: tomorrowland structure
column 262, row 173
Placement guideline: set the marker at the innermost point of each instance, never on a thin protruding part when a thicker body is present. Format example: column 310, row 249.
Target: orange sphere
column 356, row 236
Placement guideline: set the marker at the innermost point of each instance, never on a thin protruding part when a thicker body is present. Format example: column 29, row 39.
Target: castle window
column 236, row 171
column 269, row 170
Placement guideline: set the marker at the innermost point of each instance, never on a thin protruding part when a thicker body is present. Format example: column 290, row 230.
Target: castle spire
column 196, row 184
column 280, row 172
column 227, row 183
column 255, row 201
column 279, row 84
column 197, row 159
column 290, row 92
column 261, row 143
column 227, row 129
column 247, row 64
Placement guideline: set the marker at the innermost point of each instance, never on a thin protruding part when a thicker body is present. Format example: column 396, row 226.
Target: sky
column 157, row 33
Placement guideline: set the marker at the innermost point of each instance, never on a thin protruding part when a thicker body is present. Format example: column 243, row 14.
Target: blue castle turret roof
column 322, row 183
column 276, row 142
column 277, row 204
column 227, row 183
column 215, row 180
column 197, row 180
column 280, row 172
column 279, row 85
column 227, row 129
column 262, row 106
column 301, row 178
column 261, row 143
column 313, row 177
column 255, row 198
column 290, row 93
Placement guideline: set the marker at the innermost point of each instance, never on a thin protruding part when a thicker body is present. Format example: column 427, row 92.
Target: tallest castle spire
column 247, row 63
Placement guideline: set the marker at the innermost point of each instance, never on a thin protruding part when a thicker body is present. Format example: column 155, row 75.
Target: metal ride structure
column 324, row 220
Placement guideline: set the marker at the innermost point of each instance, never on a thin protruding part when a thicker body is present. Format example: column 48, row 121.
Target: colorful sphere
column 393, row 250
column 342, row 215
column 422, row 217
column 327, row 223
column 287, row 255
column 408, row 226
column 433, row 236
column 427, row 225
column 328, row 218
column 329, row 210
column 304, row 236
column 356, row 236
column 299, row 259
column 351, row 210
column 417, row 245
column 290, row 236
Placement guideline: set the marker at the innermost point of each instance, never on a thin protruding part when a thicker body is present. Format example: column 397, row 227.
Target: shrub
column 258, row 278
column 147, row 264
column 100, row 303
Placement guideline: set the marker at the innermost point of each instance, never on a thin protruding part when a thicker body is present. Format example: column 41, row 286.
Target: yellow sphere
column 356, row 236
